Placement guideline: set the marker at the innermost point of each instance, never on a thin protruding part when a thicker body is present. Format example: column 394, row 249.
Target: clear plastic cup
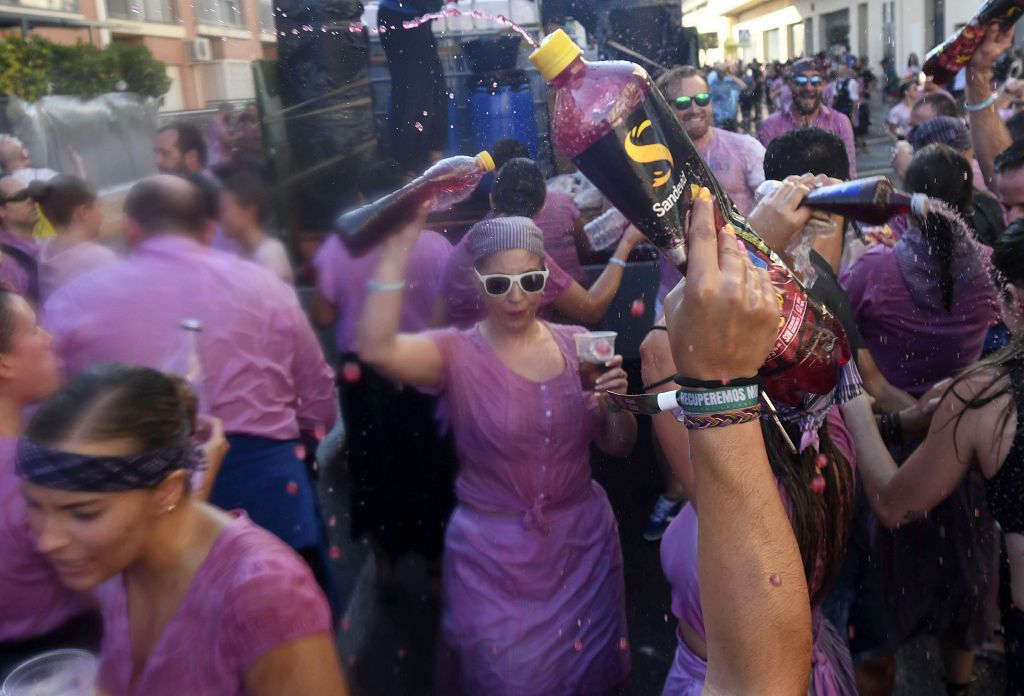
column 593, row 350
column 54, row 673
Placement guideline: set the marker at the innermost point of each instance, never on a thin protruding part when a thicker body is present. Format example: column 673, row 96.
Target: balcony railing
column 51, row 5
column 142, row 10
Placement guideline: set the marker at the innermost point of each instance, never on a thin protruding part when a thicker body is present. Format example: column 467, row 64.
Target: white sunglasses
column 498, row 284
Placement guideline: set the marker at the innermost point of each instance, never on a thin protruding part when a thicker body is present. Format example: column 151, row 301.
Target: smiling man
column 807, row 83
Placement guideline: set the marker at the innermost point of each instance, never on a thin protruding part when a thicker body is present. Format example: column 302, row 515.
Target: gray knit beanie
column 490, row 236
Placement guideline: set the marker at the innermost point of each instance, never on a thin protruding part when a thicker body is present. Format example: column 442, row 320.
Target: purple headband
column 67, row 471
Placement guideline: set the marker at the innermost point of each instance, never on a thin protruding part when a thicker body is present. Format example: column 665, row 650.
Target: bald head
column 165, row 203
column 13, row 155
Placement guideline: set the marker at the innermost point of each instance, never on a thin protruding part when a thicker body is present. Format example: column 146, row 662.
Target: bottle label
column 648, row 174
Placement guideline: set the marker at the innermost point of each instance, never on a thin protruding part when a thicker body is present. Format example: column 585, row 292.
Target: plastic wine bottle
column 615, row 125
column 947, row 59
column 606, row 229
column 447, row 182
column 873, row 201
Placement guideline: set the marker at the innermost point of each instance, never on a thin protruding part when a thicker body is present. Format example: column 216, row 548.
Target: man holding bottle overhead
column 808, row 84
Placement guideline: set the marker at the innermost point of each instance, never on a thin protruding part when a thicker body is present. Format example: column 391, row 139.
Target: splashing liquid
column 612, row 121
column 452, row 12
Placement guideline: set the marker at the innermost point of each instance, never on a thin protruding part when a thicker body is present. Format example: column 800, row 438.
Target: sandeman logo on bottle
column 654, row 153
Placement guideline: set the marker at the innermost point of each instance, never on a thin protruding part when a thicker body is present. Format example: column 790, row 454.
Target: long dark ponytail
column 821, row 521
column 940, row 172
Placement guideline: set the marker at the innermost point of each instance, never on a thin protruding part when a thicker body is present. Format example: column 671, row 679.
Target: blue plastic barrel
column 504, row 112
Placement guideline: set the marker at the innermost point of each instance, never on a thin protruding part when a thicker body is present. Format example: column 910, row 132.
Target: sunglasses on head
column 684, row 103
column 18, row 197
column 498, row 284
column 801, row 80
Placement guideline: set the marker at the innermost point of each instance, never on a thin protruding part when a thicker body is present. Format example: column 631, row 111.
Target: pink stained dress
column 831, row 668
column 533, row 584
column 33, row 601
column 251, row 595
column 557, row 220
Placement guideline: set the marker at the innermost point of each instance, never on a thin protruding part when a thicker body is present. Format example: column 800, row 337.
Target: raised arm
column 754, row 596
column 589, row 306
column 407, row 358
column 989, row 134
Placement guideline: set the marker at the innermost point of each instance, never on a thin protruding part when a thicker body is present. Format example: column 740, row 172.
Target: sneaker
column 662, row 515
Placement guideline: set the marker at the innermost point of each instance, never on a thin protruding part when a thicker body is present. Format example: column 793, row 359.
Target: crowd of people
column 162, row 397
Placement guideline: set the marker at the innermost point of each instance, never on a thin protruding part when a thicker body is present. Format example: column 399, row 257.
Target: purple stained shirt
column 462, row 298
column 782, row 122
column 59, row 264
column 251, row 594
column 32, row 599
column 833, row 671
column 557, row 220
column 342, row 279
column 737, row 161
column 264, row 371
column 12, row 273
column 534, row 593
column 915, row 343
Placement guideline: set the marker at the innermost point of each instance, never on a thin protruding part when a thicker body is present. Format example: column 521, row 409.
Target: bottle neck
column 574, row 68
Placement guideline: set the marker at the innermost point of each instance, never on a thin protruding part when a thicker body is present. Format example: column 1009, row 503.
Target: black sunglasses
column 684, row 103
column 801, row 80
column 18, row 197
column 498, row 284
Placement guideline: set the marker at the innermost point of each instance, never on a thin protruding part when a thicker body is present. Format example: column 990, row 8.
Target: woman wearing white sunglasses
column 533, row 586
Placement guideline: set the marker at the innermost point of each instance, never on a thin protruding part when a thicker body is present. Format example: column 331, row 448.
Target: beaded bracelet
column 720, row 420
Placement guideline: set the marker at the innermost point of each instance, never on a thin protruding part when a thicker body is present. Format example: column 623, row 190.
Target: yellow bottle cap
column 486, row 160
column 555, row 54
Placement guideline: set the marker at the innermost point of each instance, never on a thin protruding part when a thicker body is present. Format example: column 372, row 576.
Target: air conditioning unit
column 198, row 50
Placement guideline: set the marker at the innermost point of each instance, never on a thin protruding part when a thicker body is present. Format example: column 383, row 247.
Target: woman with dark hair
column 817, row 488
column 978, row 427
column 37, row 612
column 72, row 207
column 533, row 595
column 245, row 206
column 924, row 308
column 897, row 124
column 195, row 600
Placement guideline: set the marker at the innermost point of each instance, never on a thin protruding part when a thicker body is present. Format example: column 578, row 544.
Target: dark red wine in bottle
column 615, row 125
column 447, row 182
column 947, row 59
column 873, row 201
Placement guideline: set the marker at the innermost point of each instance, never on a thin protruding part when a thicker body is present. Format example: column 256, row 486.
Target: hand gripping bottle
column 612, row 121
column 447, row 182
column 947, row 59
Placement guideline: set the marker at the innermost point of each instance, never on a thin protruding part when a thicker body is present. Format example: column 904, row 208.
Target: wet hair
column 251, row 190
column 113, row 402
column 941, row 172
column 806, row 149
column 189, row 139
column 519, row 189
column 159, row 207
column 1015, row 124
column 1008, row 269
column 821, row 521
column 508, row 149
column 61, row 196
column 379, row 177
column 905, row 87
column 677, row 73
column 943, row 105
column 6, row 319
column 1010, row 159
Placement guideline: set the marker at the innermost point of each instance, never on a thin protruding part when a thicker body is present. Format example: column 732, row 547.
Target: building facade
column 770, row 30
column 207, row 45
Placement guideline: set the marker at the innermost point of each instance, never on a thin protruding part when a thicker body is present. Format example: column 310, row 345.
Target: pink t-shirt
column 251, row 595
column 737, row 161
column 32, row 599
column 342, row 279
column 557, row 220
column 59, row 264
